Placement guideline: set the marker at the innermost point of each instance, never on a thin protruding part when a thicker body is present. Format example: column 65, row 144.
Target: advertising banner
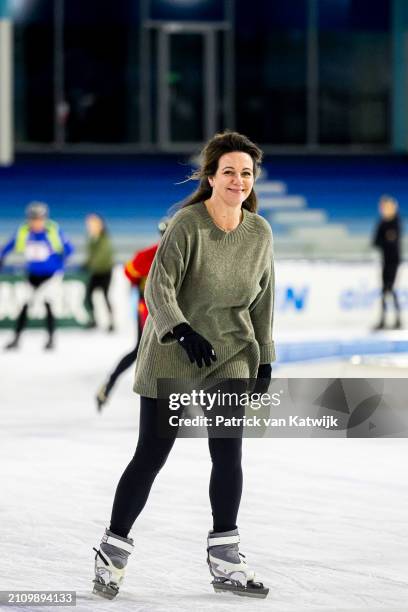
column 322, row 295
column 309, row 295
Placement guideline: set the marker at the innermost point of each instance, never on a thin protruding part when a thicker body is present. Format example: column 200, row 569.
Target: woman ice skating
column 99, row 264
column 210, row 300
column 45, row 249
column 387, row 238
column 136, row 270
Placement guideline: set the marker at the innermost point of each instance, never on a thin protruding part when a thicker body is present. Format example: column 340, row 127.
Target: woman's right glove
column 198, row 349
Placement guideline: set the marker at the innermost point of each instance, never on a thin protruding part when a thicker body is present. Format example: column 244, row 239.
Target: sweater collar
column 232, row 235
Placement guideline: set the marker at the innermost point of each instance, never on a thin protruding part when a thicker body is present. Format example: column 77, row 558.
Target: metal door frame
column 165, row 29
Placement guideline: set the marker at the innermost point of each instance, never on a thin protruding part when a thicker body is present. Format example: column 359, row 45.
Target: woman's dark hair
column 225, row 142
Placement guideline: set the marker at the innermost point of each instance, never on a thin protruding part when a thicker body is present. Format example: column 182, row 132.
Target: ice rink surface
column 324, row 522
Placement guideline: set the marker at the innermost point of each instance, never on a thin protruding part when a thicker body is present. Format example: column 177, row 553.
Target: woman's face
column 234, row 179
column 94, row 225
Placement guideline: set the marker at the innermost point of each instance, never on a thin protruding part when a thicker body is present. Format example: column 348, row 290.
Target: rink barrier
column 289, row 352
column 309, row 295
column 68, row 301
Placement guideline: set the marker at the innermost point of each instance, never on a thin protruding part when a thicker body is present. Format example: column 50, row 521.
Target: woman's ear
column 211, row 181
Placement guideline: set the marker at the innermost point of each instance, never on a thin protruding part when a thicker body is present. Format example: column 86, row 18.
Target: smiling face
column 234, row 179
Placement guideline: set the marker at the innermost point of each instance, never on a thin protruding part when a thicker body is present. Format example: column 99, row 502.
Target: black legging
column 150, row 456
column 98, row 281
column 125, row 363
column 21, row 321
column 389, row 273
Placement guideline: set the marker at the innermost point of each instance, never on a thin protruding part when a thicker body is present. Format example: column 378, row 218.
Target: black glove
column 198, row 349
column 263, row 378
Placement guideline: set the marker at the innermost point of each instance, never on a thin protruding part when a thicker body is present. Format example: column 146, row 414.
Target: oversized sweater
column 220, row 283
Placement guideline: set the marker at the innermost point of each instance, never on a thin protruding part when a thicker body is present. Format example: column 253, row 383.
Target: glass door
column 187, row 75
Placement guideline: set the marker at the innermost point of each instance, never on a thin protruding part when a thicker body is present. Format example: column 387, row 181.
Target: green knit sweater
column 99, row 254
column 220, row 283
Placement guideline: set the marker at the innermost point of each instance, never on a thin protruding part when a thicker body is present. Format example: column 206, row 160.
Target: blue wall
column 119, row 188
column 143, row 188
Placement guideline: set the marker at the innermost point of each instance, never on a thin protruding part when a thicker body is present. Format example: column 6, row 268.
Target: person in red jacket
column 136, row 270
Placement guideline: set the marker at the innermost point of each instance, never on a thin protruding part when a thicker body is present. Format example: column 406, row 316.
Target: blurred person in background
column 45, row 249
column 136, row 271
column 387, row 239
column 99, row 265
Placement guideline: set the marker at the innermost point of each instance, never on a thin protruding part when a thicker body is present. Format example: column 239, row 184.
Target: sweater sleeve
column 67, row 245
column 8, row 247
column 398, row 228
column 164, row 281
column 132, row 270
column 261, row 312
column 377, row 242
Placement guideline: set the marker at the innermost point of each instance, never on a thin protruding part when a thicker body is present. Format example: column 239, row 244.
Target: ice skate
column 14, row 344
column 91, row 324
column 49, row 346
column 110, row 564
column 380, row 325
column 102, row 397
column 397, row 324
column 229, row 568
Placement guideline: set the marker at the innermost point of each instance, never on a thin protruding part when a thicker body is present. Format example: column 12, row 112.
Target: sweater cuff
column 267, row 353
column 165, row 320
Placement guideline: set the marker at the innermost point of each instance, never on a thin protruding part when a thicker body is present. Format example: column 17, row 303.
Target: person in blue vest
column 45, row 249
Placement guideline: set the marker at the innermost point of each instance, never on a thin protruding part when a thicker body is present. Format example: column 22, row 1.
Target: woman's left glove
column 263, row 378
column 198, row 349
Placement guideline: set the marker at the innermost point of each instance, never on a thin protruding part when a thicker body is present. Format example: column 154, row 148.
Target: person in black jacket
column 387, row 238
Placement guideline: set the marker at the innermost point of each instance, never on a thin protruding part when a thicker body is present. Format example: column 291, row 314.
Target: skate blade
column 105, row 590
column 249, row 591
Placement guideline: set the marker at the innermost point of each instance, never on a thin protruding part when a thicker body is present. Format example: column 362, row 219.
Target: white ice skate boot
column 110, row 563
column 229, row 568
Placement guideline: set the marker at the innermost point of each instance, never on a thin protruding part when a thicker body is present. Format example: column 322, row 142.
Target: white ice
column 324, row 522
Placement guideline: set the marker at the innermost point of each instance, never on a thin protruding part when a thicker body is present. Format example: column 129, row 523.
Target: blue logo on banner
column 363, row 299
column 291, row 298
